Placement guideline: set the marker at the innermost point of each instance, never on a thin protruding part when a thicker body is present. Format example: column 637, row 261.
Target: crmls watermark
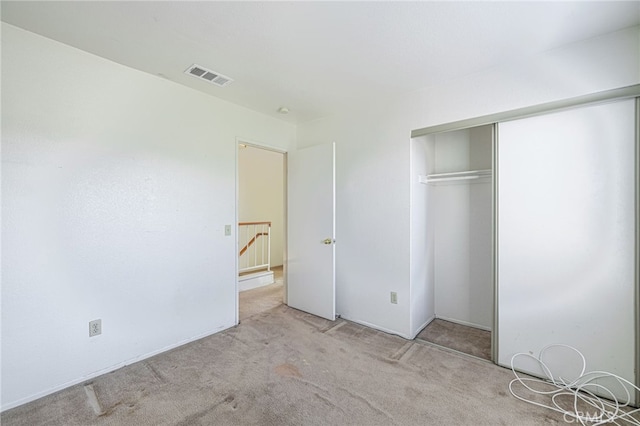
column 580, row 417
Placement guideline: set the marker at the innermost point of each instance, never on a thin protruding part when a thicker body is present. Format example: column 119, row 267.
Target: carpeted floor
column 468, row 340
column 261, row 299
column 286, row 367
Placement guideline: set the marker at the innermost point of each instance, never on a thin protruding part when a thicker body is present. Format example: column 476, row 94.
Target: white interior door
column 566, row 238
column 311, row 230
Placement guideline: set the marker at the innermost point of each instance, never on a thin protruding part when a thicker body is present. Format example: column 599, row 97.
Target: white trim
column 255, row 280
column 423, row 326
column 466, row 323
column 607, row 95
column 259, row 145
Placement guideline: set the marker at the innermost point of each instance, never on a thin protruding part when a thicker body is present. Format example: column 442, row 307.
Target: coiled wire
column 600, row 410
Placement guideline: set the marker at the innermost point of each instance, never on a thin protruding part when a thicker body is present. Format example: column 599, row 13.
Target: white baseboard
column 421, row 327
column 106, row 370
column 255, row 280
column 469, row 324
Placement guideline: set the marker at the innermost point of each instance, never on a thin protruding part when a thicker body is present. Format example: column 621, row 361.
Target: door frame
column 285, row 223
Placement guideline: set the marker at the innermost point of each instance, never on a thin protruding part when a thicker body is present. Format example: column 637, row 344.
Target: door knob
column 327, row 241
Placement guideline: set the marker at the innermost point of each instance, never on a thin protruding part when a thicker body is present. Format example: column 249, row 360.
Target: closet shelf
column 447, row 177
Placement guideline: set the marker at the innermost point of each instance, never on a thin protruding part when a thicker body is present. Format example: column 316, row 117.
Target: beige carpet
column 286, row 367
column 468, row 340
column 261, row 299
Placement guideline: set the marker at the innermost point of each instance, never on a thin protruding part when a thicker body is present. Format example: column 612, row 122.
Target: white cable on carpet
column 605, row 410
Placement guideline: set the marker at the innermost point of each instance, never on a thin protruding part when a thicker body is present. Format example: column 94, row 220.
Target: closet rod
column 445, row 177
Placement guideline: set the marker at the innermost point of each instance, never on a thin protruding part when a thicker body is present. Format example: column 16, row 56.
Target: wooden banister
column 250, row 243
column 253, row 223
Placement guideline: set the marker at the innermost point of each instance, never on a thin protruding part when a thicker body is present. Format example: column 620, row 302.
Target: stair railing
column 254, row 238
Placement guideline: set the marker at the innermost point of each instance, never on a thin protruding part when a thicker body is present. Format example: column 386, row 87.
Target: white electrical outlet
column 95, row 327
column 394, row 297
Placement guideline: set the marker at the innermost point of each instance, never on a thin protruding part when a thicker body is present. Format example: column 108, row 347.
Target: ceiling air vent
column 208, row 75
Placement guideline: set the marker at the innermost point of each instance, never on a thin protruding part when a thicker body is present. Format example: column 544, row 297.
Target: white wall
column 601, row 63
column 372, row 215
column 373, row 157
column 261, row 193
column 116, row 186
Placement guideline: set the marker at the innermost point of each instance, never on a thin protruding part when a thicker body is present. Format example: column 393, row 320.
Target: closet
column 460, row 192
column 529, row 227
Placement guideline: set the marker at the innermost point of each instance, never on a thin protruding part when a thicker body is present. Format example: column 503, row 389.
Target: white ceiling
column 317, row 57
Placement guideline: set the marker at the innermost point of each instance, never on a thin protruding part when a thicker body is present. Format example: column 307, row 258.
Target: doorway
column 262, row 204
